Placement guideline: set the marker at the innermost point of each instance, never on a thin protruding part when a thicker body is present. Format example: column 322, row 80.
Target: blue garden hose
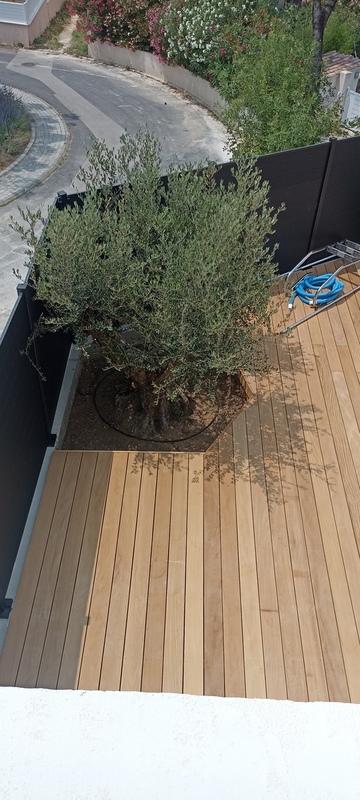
column 306, row 287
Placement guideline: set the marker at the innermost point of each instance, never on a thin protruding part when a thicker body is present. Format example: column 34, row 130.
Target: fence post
column 332, row 151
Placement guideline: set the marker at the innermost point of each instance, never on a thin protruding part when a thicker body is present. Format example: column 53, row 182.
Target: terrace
column 233, row 572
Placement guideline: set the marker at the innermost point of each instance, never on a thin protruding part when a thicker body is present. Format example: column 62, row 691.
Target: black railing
column 27, row 407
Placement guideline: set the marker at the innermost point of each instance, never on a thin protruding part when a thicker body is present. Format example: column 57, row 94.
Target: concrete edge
column 63, row 408
column 66, row 396
column 148, row 64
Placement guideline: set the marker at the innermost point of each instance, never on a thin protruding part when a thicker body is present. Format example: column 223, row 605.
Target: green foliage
column 78, row 45
column 277, row 105
column 342, row 32
column 188, row 269
column 121, row 22
column 197, row 34
column 15, row 126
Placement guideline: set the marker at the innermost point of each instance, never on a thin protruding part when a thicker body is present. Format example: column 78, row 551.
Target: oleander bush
column 121, row 22
column 195, row 34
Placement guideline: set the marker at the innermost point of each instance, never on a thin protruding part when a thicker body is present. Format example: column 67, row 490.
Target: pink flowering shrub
column 121, row 22
column 157, row 37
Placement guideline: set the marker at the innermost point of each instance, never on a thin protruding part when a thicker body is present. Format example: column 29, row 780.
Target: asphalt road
column 97, row 101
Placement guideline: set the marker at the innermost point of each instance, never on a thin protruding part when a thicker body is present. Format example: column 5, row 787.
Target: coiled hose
column 306, row 287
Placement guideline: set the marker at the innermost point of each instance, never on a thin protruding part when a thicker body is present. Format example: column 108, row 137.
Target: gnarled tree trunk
column 157, row 411
column 321, row 11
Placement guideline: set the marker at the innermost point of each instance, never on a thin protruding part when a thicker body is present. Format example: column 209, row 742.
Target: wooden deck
column 235, row 572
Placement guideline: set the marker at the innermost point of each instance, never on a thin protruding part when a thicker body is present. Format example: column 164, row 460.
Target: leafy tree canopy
column 174, row 283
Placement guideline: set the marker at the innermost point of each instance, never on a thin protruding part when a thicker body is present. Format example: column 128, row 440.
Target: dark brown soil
column 105, row 415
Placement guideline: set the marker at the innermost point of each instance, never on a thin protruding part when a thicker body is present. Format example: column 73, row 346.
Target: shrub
column 277, row 104
column 121, row 22
column 188, row 269
column 195, row 34
column 15, row 126
column 342, row 32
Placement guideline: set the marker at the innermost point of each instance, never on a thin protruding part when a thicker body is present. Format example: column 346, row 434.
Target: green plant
column 121, row 22
column 187, row 268
column 196, row 34
column 78, row 45
column 15, row 126
column 342, row 31
column 277, row 104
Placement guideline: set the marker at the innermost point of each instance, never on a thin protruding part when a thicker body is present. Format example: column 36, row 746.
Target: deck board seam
column 91, row 588
column 131, row 571
column 58, row 571
column 114, row 563
column 40, row 571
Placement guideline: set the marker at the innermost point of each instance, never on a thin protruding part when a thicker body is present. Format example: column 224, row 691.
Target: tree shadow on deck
column 266, row 444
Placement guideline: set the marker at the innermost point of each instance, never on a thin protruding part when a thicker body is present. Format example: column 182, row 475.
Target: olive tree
column 172, row 282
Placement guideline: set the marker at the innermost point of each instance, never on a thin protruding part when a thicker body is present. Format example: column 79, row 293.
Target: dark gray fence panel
column 339, row 208
column 296, row 178
column 27, row 407
column 23, row 438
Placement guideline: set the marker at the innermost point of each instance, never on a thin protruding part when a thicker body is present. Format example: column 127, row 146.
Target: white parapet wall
column 21, row 23
column 148, row 64
column 72, row 745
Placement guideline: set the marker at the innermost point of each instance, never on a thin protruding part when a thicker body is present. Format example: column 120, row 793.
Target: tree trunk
column 320, row 15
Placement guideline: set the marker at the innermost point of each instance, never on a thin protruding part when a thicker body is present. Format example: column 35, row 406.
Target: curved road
column 97, row 101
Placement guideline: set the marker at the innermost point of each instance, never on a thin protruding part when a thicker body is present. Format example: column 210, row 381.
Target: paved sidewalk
column 47, row 148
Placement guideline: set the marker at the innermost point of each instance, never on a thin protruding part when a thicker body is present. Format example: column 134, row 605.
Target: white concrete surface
column 148, row 64
column 60, row 745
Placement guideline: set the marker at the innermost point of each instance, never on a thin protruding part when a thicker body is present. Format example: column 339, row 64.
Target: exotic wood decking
column 235, row 572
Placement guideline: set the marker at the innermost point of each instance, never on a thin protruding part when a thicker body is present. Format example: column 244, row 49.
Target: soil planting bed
column 105, row 415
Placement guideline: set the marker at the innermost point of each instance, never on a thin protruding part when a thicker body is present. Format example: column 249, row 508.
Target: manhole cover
column 28, row 64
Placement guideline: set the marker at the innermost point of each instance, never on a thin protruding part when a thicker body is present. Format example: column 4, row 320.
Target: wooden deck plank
column 250, row 603
column 116, row 624
column 55, row 636
column 234, row 572
column 155, row 618
column 14, row 642
column 42, row 605
column 325, row 612
column 270, row 620
column 350, row 368
column 214, row 679
column 340, row 447
column 136, row 619
column 78, row 618
column 173, row 666
column 194, row 592
column 292, row 461
column 285, row 524
column 89, row 677
column 232, row 623
column 340, row 591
